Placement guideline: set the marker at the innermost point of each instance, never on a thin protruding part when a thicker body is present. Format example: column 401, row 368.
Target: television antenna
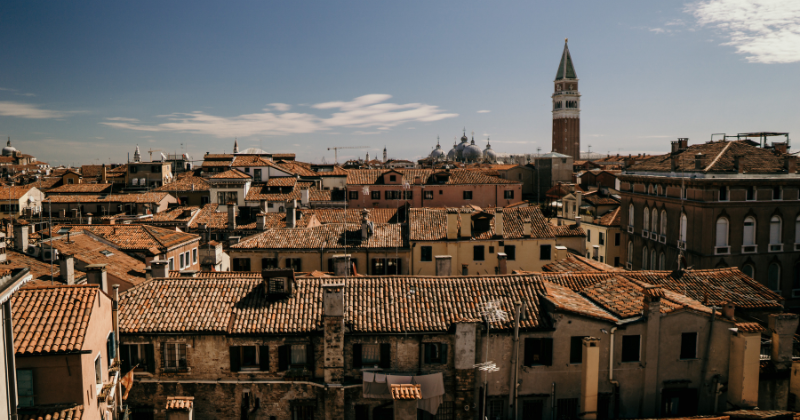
column 336, row 151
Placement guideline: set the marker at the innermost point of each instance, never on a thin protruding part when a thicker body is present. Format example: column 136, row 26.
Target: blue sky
column 85, row 82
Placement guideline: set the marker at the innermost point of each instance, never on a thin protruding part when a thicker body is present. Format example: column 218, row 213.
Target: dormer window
column 278, row 283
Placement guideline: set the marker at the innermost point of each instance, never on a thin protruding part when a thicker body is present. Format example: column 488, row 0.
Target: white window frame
column 180, row 260
column 194, row 255
column 722, row 247
column 775, row 235
column 98, row 361
column 171, row 264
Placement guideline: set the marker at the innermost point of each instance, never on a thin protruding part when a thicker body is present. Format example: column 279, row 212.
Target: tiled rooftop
column 564, row 299
column 611, row 218
column 456, row 177
column 52, row 412
column 185, row 184
column 119, row 264
column 134, row 237
column 15, row 193
column 52, row 319
column 40, row 270
column 568, row 230
column 153, row 197
column 325, row 236
column 719, row 157
column 81, row 188
column 406, row 391
column 430, row 224
column 231, row 174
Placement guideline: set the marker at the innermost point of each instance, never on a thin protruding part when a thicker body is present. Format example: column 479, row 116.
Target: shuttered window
column 539, row 351
column 25, row 387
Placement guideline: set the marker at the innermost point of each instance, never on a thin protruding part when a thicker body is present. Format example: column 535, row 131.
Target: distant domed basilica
column 13, row 156
column 466, row 151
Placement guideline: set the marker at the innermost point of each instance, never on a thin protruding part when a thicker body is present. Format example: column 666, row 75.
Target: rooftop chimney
column 783, row 327
column 261, row 221
column 452, row 226
column 21, row 238
column 104, row 175
column 291, row 215
column 498, row 222
column 304, row 196
column 738, row 163
column 232, row 208
column 526, row 227
column 743, row 368
column 675, row 147
column 66, row 265
column 75, row 213
column 790, row 164
column 590, row 377
column 578, row 202
column 466, row 225
column 673, row 163
column 443, row 265
column 683, row 143
column 728, row 310
column 502, row 263
column 698, row 161
column 780, row 147
column 577, row 221
column 341, row 265
column 159, row 268
column 366, row 227
column 96, row 274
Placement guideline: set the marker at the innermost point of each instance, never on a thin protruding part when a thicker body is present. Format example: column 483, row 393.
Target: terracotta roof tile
column 89, row 251
column 180, row 403
column 52, row 412
column 250, row 160
column 143, row 198
column 611, row 218
column 81, row 188
column 283, row 181
column 430, row 224
column 565, row 299
column 185, row 184
column 39, row 270
column 719, row 157
column 406, row 391
column 231, row 174
column 750, row 327
column 565, row 231
column 15, row 193
column 326, row 236
column 135, row 237
column 52, row 319
column 454, row 177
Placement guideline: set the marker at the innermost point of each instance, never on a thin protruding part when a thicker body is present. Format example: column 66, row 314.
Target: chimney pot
column 159, row 268
column 698, row 161
column 790, row 163
column 232, row 210
column 738, row 163
column 443, row 265
column 502, row 263
column 341, row 265
column 96, row 274
column 21, row 238
column 66, row 266
column 291, row 215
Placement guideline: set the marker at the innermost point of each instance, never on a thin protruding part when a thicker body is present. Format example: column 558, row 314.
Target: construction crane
column 151, row 153
column 336, row 151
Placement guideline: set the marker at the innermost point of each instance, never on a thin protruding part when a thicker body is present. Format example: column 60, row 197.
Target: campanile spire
column 566, row 108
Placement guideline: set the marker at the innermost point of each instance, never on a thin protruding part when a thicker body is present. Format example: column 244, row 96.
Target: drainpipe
column 512, row 395
column 10, row 365
column 611, row 373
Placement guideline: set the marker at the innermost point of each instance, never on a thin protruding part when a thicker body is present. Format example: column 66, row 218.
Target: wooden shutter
column 125, row 364
column 310, row 357
column 386, row 355
column 547, row 351
column 357, row 361
column 263, row 358
column 530, row 351
column 444, row 353
column 236, row 358
column 112, row 346
column 283, row 358
column 150, row 358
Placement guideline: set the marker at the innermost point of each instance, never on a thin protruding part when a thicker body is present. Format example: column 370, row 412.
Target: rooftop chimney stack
column 341, row 265
column 261, row 221
column 444, row 265
column 502, row 263
column 728, row 310
column 498, row 222
column 526, row 228
column 104, row 175
column 783, row 327
column 738, row 163
column 232, row 208
column 673, row 163
column 683, row 144
column 590, row 378
column 21, row 238
column 675, row 147
column 159, row 268
column 698, row 161
column 304, row 196
column 466, row 225
column 790, row 164
column 780, row 147
column 96, row 274
column 366, row 227
column 291, row 215
column 66, row 265
column 452, row 226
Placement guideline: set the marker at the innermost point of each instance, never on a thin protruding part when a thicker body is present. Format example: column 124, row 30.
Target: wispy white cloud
column 765, row 31
column 364, row 133
column 657, row 30
column 280, row 107
column 362, row 112
column 21, row 110
column 484, row 111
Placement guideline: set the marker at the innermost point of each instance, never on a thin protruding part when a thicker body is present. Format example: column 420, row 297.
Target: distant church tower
column 567, row 109
column 384, row 154
column 235, row 146
column 137, row 157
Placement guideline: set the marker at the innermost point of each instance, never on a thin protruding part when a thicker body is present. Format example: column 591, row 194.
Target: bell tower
column 566, row 108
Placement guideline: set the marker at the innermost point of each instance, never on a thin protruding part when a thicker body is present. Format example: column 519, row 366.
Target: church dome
column 472, row 153
column 9, row 150
column 437, row 153
column 461, row 146
column 489, row 155
column 453, row 153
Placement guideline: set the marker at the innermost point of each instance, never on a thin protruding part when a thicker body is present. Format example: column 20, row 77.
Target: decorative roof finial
column 566, row 40
column 437, row 140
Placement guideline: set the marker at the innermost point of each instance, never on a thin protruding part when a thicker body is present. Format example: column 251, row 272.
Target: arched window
column 644, row 258
column 654, row 220
column 749, row 270
column 683, row 227
column 749, row 232
column 646, row 219
column 653, row 259
column 630, row 215
column 630, row 251
column 774, row 277
column 663, row 222
column 775, row 230
column 722, row 232
column 662, row 262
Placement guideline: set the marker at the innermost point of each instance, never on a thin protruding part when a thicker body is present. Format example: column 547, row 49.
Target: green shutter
column 25, row 387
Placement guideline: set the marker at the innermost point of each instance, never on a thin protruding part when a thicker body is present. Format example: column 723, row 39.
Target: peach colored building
column 392, row 188
column 64, row 351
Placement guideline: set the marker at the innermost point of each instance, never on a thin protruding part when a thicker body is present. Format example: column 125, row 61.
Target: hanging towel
column 431, row 390
column 392, row 379
column 369, row 376
column 380, row 378
column 373, row 388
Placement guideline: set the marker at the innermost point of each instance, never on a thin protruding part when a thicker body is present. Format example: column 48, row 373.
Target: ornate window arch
column 722, row 232
column 646, row 219
column 749, row 231
column 775, row 225
column 683, row 226
column 663, row 222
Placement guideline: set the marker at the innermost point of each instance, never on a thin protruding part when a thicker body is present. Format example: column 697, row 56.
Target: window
column 279, row 285
column 777, row 193
column 173, row 355
column 616, row 261
column 204, row 200
column 774, row 277
column 375, row 195
column 797, row 230
column 644, row 258
column 241, row 264
column 749, row 270
column 508, row 194
column 653, row 259
column 630, row 252
column 247, row 170
column 249, row 358
column 257, row 174
column 408, row 195
column 171, row 263
column 723, row 193
column 467, row 195
column 601, row 238
column 25, row 387
column 426, row 253
column 688, row 345
column 662, row 262
column 751, row 193
column 111, row 347
column 630, row 348
column 297, row 354
column 435, row 353
column 722, row 232
column 775, row 230
column 616, row 239
column 538, row 351
column 225, row 197
column 545, row 252
column 393, row 178
column 478, row 253
column 630, row 215
column 749, row 231
column 181, row 261
column 269, row 263
column 428, row 195
column 72, row 181
column 567, row 408
column 683, row 227
column 302, row 412
column 684, row 193
column 440, row 192
column 495, row 409
column 294, row 263
column 646, row 219
column 576, row 349
column 352, row 195
column 511, row 252
column 372, row 355
column 186, row 258
column 796, row 279
column 588, row 235
column 663, row 222
column 194, row 256
column 137, row 355
column 385, row 266
column 391, row 195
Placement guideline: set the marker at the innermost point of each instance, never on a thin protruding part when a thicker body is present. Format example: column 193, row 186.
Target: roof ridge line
column 716, row 159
